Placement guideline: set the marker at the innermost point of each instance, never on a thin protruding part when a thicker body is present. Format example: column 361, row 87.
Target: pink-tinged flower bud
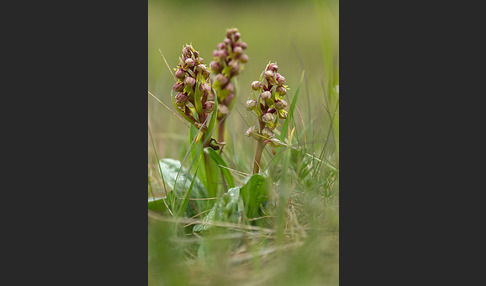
column 281, row 90
column 221, row 78
column 211, row 96
column 205, row 74
column 267, row 132
column 189, row 63
column 230, row 32
column 243, row 58
column 268, row 117
column 216, row 53
column 230, row 87
column 178, row 86
column 256, row 85
column 266, row 95
column 222, row 54
column 243, row 45
column 205, row 87
column 208, row 106
column 227, row 41
column 223, row 109
column 186, row 51
column 237, row 36
column 272, row 67
column 282, row 114
column 280, row 104
column 215, row 66
column 180, row 73
column 196, row 53
column 221, row 46
column 268, row 74
column 235, row 67
column 251, row 104
column 190, row 81
column 280, row 79
column 200, row 67
column 250, row 131
column 181, row 98
column 274, row 142
column 238, row 50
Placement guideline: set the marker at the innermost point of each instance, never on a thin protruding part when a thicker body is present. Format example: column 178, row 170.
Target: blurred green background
column 297, row 35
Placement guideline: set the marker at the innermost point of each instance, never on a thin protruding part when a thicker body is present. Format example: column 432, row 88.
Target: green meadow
column 211, row 219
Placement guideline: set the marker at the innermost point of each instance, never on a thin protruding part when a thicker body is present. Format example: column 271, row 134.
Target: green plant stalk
column 258, row 156
column 212, row 192
column 221, row 129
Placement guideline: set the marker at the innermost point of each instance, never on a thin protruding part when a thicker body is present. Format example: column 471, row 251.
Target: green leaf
column 222, row 165
column 157, row 204
column 170, row 169
column 197, row 100
column 228, row 208
column 183, row 207
column 254, row 193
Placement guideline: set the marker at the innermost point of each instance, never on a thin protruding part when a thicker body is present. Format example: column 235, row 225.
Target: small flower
column 200, row 67
column 251, row 104
column 215, row 66
column 230, row 87
column 189, row 63
column 274, row 142
column 269, row 76
column 178, row 86
column 243, row 58
column 235, row 67
column 280, row 104
column 187, row 51
column 256, row 85
column 181, row 98
column 268, row 117
column 180, row 74
column 190, row 81
column 208, row 106
column 280, row 79
column 281, row 90
column 282, row 114
column 222, row 109
column 266, row 95
column 272, row 67
column 250, row 131
column 238, row 50
column 241, row 44
column 205, row 87
column 221, row 78
column 267, row 132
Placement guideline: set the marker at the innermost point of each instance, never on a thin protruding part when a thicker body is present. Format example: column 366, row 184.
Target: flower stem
column 207, row 167
column 258, row 156
column 221, row 130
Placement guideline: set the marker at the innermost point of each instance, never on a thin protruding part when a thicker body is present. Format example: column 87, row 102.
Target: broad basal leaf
column 228, row 208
